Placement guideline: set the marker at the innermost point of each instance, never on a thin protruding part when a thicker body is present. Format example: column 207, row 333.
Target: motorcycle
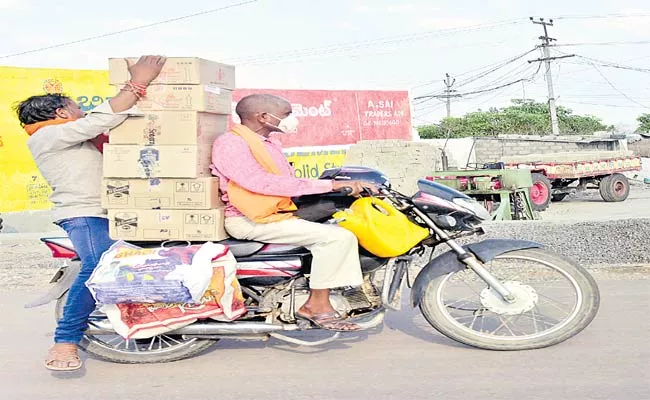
column 496, row 294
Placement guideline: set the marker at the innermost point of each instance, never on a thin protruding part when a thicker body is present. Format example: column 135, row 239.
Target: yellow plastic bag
column 380, row 227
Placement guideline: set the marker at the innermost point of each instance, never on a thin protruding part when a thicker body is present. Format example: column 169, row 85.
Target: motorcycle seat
column 242, row 248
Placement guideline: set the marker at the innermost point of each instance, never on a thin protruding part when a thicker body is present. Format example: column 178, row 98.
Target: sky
column 364, row 44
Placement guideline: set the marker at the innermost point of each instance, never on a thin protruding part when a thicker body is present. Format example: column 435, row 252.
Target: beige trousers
column 335, row 250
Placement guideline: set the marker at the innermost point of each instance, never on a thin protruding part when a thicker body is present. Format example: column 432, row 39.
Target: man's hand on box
column 146, row 69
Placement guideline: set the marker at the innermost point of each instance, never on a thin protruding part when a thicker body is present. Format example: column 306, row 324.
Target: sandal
column 331, row 321
column 67, row 356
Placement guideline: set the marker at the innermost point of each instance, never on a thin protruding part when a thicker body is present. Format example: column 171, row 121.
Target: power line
column 604, row 43
column 492, row 68
column 615, row 88
column 498, row 87
column 498, row 67
column 600, row 104
column 491, row 89
column 610, row 64
column 504, row 62
column 343, row 47
column 508, row 76
column 130, row 29
column 604, row 16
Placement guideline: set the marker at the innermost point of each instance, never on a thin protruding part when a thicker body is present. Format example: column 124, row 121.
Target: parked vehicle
column 497, row 294
column 557, row 175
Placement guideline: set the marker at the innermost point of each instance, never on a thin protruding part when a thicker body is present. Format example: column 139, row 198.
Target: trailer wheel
column 540, row 192
column 614, row 188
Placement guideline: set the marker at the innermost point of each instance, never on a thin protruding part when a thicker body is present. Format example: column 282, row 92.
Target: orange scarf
column 257, row 207
column 32, row 128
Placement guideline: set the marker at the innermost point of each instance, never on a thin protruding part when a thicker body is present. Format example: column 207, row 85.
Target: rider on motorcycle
column 257, row 183
column 63, row 142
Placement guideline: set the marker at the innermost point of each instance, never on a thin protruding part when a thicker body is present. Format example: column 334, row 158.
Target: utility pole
column 447, row 95
column 546, row 44
column 448, row 92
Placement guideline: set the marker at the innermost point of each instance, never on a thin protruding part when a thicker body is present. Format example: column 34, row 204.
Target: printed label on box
column 126, row 224
column 207, row 219
column 192, row 219
column 118, row 192
column 212, row 89
column 149, row 161
column 197, row 187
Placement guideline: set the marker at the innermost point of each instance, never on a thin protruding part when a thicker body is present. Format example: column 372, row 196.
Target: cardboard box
column 184, row 194
column 135, row 161
column 159, row 225
column 179, row 71
column 170, row 128
column 207, row 98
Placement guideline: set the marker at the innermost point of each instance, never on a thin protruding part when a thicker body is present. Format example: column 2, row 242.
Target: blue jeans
column 89, row 235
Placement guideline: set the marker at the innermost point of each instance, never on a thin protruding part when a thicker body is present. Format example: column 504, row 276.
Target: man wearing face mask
column 258, row 183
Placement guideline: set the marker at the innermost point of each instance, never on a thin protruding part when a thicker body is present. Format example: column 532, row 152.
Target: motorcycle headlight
column 474, row 207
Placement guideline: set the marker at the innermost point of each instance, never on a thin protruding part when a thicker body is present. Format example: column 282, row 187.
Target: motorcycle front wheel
column 158, row 349
column 555, row 300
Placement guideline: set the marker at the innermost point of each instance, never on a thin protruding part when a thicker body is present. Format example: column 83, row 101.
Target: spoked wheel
column 158, row 349
column 555, row 300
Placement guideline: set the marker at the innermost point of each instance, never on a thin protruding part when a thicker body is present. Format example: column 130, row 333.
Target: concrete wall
column 402, row 162
column 641, row 147
column 491, row 149
column 459, row 152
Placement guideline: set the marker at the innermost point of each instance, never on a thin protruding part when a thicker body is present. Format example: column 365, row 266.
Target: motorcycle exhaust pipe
column 104, row 327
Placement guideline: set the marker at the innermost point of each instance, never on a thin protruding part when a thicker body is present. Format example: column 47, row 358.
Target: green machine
column 505, row 193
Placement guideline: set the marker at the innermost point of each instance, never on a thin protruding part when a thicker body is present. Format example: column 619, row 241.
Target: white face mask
column 288, row 124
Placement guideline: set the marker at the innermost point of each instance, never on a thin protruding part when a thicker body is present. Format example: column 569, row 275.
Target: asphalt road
column 405, row 360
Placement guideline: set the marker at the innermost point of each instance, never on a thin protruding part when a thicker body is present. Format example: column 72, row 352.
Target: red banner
column 336, row 117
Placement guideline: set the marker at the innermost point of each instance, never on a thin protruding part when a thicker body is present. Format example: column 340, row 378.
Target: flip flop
column 71, row 359
column 331, row 321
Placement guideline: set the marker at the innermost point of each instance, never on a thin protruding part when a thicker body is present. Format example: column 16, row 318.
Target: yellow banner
column 22, row 187
column 309, row 163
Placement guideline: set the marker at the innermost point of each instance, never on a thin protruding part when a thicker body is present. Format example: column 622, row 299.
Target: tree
column 523, row 117
column 644, row 123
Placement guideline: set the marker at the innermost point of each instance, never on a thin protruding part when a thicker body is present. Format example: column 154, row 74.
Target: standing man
column 63, row 143
column 258, row 183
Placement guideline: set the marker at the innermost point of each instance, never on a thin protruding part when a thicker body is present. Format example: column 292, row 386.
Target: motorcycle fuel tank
column 356, row 173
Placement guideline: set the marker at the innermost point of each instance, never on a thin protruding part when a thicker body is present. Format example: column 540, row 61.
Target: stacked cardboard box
column 157, row 180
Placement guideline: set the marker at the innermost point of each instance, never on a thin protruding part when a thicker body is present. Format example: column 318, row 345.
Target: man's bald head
column 253, row 104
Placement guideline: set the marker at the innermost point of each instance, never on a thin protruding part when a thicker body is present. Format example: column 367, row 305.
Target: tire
column 582, row 317
column 540, row 192
column 559, row 197
column 614, row 188
column 91, row 345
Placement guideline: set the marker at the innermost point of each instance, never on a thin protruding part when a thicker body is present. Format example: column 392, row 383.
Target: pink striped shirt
column 233, row 160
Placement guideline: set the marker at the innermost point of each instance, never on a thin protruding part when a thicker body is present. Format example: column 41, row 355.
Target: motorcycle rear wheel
column 459, row 320
column 159, row 349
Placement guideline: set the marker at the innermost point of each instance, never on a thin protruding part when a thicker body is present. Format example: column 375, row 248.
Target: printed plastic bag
column 223, row 300
column 128, row 274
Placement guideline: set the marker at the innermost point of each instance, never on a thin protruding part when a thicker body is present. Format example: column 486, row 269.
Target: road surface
column 406, row 360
